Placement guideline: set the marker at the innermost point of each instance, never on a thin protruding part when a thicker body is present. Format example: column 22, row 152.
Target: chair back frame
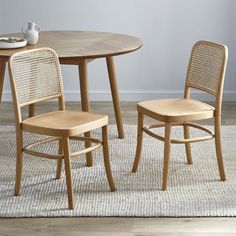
column 206, row 72
column 33, row 61
column 216, row 55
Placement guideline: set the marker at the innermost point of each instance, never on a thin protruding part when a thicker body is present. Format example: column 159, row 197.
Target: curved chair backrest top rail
column 206, row 69
column 35, row 76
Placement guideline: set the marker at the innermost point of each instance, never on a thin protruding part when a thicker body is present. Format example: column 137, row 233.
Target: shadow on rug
column 194, row 190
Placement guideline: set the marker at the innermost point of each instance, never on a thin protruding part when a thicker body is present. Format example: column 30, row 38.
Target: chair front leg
column 69, row 181
column 139, row 142
column 187, row 145
column 59, row 161
column 19, row 161
column 166, row 155
column 218, row 148
column 106, row 158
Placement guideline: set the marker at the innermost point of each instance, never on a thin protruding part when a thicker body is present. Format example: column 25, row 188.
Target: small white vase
column 31, row 33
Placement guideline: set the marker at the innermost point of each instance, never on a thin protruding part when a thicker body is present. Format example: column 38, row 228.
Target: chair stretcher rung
column 44, row 141
column 56, row 157
column 43, row 155
column 181, row 141
column 89, row 149
column 85, row 139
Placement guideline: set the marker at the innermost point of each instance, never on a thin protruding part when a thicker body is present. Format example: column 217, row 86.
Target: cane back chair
column 206, row 72
column 35, row 76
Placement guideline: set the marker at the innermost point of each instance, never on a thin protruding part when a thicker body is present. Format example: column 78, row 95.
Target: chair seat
column 64, row 123
column 176, row 110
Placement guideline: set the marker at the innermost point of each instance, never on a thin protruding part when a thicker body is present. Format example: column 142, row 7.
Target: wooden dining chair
column 35, row 76
column 206, row 72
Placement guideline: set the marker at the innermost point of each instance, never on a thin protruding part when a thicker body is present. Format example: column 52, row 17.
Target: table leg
column 2, row 75
column 115, row 95
column 83, row 76
column 31, row 110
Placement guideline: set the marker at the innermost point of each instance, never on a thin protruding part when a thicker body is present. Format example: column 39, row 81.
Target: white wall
column 168, row 29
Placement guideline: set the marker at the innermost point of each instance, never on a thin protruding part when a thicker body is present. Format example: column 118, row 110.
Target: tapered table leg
column 31, row 110
column 85, row 102
column 115, row 95
column 2, row 75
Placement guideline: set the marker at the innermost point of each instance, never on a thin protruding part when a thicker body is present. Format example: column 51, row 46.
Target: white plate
column 10, row 42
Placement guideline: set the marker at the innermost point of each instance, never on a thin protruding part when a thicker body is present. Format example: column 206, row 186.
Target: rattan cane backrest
column 35, row 75
column 207, row 67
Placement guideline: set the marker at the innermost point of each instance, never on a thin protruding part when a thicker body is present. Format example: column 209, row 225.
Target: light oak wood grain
column 115, row 95
column 2, row 75
column 176, row 110
column 119, row 226
column 139, row 142
column 79, row 48
column 83, row 75
column 29, row 69
column 129, row 111
column 206, row 72
column 116, row 226
column 187, row 145
column 80, row 44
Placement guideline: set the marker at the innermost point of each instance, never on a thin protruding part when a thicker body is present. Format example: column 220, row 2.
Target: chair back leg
column 187, row 145
column 19, row 161
column 106, row 158
column 89, row 156
column 69, row 181
column 218, row 148
column 139, row 142
column 166, row 155
column 59, row 161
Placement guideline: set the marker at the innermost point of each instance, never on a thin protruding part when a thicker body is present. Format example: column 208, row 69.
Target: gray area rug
column 193, row 190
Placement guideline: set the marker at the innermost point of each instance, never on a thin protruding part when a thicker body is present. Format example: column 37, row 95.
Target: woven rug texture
column 193, row 190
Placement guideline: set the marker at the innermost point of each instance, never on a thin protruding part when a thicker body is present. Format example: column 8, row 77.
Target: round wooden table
column 79, row 48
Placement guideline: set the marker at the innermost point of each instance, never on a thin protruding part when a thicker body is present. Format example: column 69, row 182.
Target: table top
column 80, row 44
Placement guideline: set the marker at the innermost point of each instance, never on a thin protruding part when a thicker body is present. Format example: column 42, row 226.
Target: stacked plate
column 8, row 43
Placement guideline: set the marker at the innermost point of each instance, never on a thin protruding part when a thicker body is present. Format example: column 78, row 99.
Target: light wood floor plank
column 128, row 109
column 118, row 226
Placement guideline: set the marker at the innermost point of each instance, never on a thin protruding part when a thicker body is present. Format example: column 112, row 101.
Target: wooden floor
column 116, row 226
column 129, row 113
